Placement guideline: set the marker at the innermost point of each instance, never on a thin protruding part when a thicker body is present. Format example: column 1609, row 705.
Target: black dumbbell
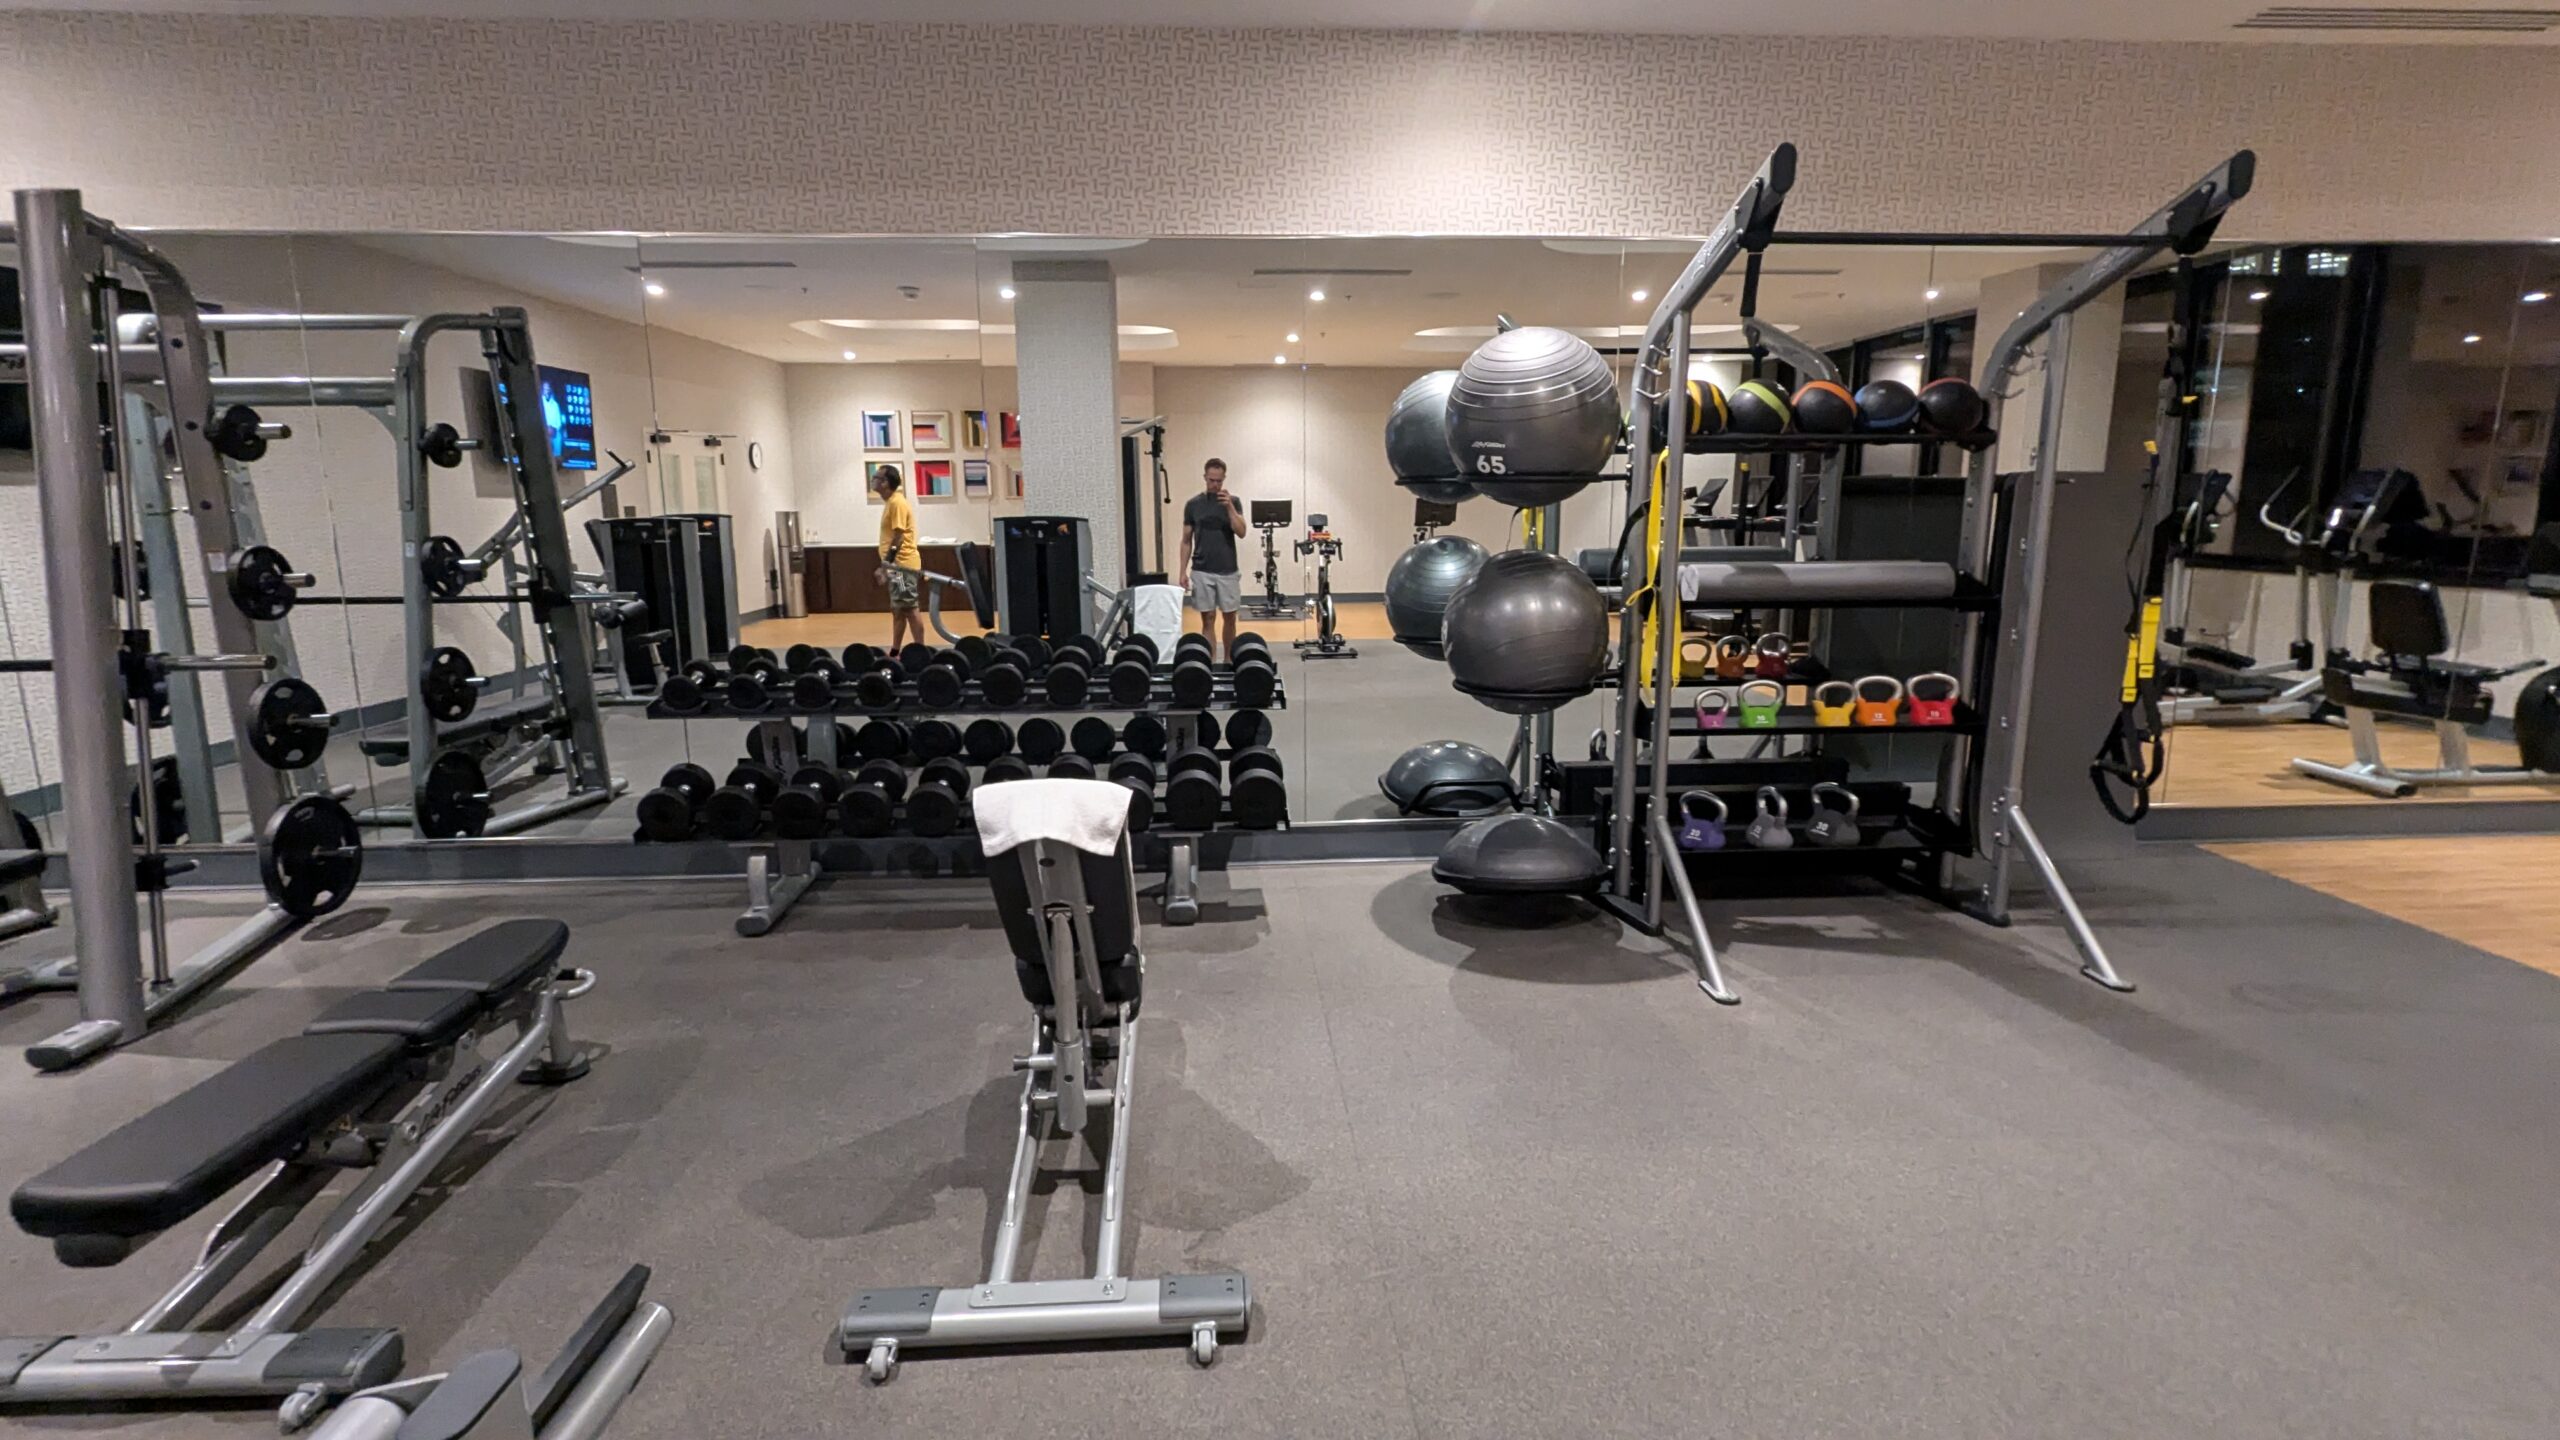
column 1205, row 729
column 868, row 806
column 1190, row 647
column 1003, row 768
column 810, row 691
column 671, row 811
column 1129, row 766
column 800, row 811
column 876, row 688
column 797, row 658
column 934, row 739
column 1040, row 739
column 914, row 656
column 933, row 807
column 1133, row 677
column 858, row 657
column 1249, row 643
column 984, row 740
column 880, row 740
column 1138, row 773
column 1144, row 734
column 1069, row 675
column 1093, row 738
column 1136, row 640
column 940, row 686
column 1256, row 680
column 1247, row 729
column 1071, row 767
column 978, row 648
column 1004, row 678
column 735, row 811
column 746, row 692
column 1193, row 681
column 680, row 695
column 1035, row 652
column 743, row 655
column 1088, row 646
column 1256, row 791
column 1191, row 790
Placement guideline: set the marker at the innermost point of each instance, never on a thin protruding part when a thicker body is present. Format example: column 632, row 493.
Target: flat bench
column 385, row 1082
column 488, row 721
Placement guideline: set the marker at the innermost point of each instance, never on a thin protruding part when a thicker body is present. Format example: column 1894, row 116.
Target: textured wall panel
column 771, row 128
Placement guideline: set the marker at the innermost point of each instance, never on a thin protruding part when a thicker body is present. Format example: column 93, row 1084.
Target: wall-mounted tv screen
column 569, row 412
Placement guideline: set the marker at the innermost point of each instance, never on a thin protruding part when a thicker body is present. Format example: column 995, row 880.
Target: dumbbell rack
column 781, row 869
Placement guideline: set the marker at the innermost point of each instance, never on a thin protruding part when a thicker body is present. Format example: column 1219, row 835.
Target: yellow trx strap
column 1646, row 655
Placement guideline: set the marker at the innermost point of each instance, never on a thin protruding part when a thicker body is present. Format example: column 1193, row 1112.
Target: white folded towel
column 1088, row 814
column 1155, row 611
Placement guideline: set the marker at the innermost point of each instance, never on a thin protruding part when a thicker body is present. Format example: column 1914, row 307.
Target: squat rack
column 2000, row 568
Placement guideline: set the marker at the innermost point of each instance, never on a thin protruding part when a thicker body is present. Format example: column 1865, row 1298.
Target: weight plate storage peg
column 450, row 685
column 289, row 727
column 310, row 855
column 454, row 801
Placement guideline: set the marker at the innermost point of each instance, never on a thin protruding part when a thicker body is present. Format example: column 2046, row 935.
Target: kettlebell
column 1600, row 743
column 1769, row 656
column 1768, row 830
column 1733, row 658
column 1835, row 816
column 1702, row 818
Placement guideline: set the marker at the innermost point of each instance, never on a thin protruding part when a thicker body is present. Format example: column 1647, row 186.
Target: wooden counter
column 842, row 579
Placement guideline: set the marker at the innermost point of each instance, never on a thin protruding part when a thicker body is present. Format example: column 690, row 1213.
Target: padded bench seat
column 490, row 962
column 486, row 721
column 157, row 1170
column 17, row 865
column 423, row 1018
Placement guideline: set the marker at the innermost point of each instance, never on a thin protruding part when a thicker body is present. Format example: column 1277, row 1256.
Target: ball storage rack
column 1961, row 842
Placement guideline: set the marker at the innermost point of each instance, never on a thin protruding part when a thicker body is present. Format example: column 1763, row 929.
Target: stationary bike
column 1271, row 517
column 1328, row 644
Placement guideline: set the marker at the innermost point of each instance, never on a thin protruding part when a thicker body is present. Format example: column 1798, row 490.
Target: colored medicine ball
column 1824, row 408
column 1885, row 406
column 1760, row 409
column 1707, row 412
column 1951, row 407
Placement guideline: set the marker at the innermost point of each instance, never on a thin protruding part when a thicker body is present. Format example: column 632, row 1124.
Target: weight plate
column 285, row 728
column 1093, row 738
column 448, row 685
column 310, row 855
column 441, row 565
column 455, row 799
column 257, row 583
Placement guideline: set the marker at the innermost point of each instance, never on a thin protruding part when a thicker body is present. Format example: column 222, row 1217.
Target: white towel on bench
column 1088, row 814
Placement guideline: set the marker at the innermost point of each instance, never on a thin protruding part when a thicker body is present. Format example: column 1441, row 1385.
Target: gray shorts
column 1216, row 592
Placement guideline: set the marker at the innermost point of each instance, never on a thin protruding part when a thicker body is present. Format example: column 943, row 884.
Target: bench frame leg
column 777, row 876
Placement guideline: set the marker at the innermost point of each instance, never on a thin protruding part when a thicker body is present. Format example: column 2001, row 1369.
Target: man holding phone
column 1211, row 523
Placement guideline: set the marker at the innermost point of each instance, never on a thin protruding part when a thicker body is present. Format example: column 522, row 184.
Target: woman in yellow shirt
column 901, row 565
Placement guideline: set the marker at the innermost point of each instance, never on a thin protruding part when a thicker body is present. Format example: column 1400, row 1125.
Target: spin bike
column 1328, row 643
column 1271, row 517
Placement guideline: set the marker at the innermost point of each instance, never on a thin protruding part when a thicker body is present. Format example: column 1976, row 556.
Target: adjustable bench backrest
column 1104, row 887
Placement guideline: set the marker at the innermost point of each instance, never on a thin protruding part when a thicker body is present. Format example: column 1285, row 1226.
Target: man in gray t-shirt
column 1211, row 522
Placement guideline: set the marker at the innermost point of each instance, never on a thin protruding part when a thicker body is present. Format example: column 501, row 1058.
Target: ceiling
column 2226, row 20
column 1223, row 302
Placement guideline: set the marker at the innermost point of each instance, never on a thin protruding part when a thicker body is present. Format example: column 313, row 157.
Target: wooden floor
column 2244, row 765
column 2495, row 892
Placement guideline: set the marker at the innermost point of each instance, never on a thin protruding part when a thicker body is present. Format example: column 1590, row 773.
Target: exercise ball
column 1519, row 855
column 1418, row 440
column 1420, row 583
column 1824, row 408
column 1528, row 633
column 1951, row 407
column 1759, row 409
column 1533, row 416
column 1885, row 406
column 1446, row 777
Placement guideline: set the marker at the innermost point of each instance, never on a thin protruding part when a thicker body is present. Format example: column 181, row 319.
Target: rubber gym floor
column 1489, row 1178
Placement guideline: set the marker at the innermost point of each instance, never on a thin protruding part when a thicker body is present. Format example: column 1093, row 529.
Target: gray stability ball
column 1519, row 855
column 1420, row 583
column 1534, row 416
column 1529, row 633
column 1446, row 777
column 1418, row 440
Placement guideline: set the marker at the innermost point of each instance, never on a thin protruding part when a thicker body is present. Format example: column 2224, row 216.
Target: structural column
column 1066, row 346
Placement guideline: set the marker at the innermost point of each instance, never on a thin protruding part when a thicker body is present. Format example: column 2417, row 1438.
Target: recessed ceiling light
column 1929, row 294
column 848, row 354
column 2260, row 294
column 2470, row 339
column 2536, row 297
column 1004, row 292
column 1315, row 295
column 1293, row 337
column 1279, row 359
column 1639, row 296
column 654, row 289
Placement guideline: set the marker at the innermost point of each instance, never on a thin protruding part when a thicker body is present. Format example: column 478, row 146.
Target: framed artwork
column 1017, row 482
column 933, row 479
column 973, row 429
column 880, row 430
column 871, row 472
column 1009, row 429
column 929, row 429
column 973, row 479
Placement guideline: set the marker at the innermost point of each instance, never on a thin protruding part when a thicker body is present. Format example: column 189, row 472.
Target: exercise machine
column 386, row 1083
column 2410, row 679
column 1322, row 543
column 1429, row 516
column 1071, row 918
column 1271, row 517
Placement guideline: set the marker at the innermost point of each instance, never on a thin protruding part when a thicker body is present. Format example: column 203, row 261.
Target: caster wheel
column 1204, row 1346
column 301, row 1408
column 882, row 1364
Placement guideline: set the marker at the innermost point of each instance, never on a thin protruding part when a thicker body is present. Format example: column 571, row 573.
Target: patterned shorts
column 904, row 588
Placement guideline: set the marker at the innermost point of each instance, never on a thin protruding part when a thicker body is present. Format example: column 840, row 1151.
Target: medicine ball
column 1535, row 402
column 2538, row 721
column 1418, row 440
column 1527, row 634
column 1885, row 406
column 1707, row 413
column 1824, row 408
column 1759, row 409
column 1420, row 583
column 1951, row 407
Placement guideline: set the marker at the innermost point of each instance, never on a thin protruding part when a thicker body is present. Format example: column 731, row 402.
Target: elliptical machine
column 1271, row 517
column 1328, row 643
